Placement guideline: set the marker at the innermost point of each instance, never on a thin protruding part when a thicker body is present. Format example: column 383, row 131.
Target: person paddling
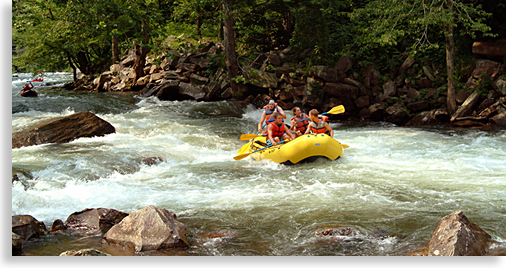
column 27, row 91
column 269, row 109
column 298, row 123
column 277, row 130
column 28, row 86
column 318, row 125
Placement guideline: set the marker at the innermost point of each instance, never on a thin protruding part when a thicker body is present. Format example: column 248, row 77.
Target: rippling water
column 402, row 180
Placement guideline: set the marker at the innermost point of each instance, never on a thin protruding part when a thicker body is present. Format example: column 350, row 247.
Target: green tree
column 386, row 22
column 196, row 12
column 53, row 34
column 321, row 27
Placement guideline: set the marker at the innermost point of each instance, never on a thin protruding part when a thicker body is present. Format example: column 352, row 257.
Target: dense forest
column 61, row 34
column 90, row 36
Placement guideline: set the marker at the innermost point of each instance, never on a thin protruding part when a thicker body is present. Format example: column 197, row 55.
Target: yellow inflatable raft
column 306, row 147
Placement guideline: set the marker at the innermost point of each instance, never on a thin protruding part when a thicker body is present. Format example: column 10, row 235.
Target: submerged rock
column 455, row 235
column 228, row 234
column 61, row 130
column 147, row 229
column 85, row 252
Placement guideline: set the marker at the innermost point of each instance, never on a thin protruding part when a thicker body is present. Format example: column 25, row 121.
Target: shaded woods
column 384, row 52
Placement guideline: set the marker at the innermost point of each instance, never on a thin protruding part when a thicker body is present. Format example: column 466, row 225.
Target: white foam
column 386, row 174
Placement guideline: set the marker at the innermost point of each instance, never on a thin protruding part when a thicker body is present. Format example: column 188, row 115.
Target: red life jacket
column 27, row 87
column 278, row 131
column 302, row 125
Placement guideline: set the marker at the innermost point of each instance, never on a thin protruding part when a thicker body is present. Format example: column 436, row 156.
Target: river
column 401, row 180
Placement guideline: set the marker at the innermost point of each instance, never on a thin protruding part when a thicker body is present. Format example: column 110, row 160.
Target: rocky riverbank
column 412, row 95
column 151, row 230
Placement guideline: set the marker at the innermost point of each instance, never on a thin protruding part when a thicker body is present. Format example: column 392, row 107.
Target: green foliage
column 215, row 62
column 414, row 26
column 321, row 29
column 484, row 85
column 49, row 35
column 240, row 79
column 79, row 33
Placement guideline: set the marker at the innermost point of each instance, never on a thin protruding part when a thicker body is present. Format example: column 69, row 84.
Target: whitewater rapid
column 402, row 180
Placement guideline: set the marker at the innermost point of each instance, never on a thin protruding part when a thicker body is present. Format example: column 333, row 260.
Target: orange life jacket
column 302, row 125
column 320, row 128
column 278, row 131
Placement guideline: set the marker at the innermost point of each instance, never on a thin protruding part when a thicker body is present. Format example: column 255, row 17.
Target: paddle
column 244, row 148
column 241, row 156
column 345, row 146
column 246, row 137
column 336, row 110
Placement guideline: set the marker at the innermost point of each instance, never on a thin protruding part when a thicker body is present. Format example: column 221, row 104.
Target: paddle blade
column 241, row 156
column 336, row 110
column 345, row 146
column 247, row 137
column 244, row 148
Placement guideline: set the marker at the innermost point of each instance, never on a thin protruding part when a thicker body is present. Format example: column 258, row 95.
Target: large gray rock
column 147, row 229
column 189, row 91
column 27, row 226
column 93, row 221
column 341, row 90
column 455, row 235
column 166, row 90
column 500, row 85
column 64, row 129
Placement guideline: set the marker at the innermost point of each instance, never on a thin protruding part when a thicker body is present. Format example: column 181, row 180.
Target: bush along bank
column 412, row 95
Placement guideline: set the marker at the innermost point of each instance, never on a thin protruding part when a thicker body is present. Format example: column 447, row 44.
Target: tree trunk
column 82, row 62
column 288, row 22
column 140, row 61
column 220, row 32
column 74, row 71
column 229, row 42
column 115, row 50
column 140, row 53
column 451, row 102
column 199, row 21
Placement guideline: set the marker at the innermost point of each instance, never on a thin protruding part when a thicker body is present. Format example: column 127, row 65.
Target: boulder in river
column 64, row 129
column 17, row 244
column 27, row 226
column 148, row 229
column 93, row 221
column 455, row 235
